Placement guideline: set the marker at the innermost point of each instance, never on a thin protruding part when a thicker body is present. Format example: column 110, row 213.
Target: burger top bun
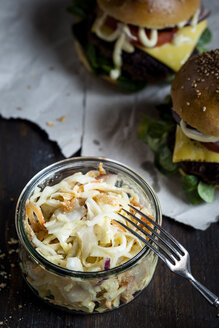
column 195, row 92
column 150, row 13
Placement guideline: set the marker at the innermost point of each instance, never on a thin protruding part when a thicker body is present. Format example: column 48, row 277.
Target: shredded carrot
column 81, row 188
column 107, row 199
column 148, row 223
column 136, row 204
column 121, row 228
column 68, row 204
column 101, row 169
column 32, row 209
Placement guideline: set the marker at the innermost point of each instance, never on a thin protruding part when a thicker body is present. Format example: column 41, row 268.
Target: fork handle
column 210, row 297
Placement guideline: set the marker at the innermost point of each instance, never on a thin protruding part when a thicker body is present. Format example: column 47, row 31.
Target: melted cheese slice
column 174, row 56
column 187, row 150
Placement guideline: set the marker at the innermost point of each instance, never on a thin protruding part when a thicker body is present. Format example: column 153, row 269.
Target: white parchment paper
column 41, row 80
column 40, row 75
column 110, row 130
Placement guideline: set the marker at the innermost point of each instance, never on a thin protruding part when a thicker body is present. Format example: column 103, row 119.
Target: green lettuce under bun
column 155, row 132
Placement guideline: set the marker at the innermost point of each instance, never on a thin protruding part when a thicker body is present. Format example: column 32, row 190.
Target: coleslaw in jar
column 73, row 253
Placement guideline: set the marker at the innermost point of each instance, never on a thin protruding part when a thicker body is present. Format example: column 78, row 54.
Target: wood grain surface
column 169, row 301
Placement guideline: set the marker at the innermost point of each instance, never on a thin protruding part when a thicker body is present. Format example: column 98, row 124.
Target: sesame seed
column 204, row 108
column 188, row 103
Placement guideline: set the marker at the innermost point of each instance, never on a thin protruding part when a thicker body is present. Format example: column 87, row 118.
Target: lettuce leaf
column 163, row 161
column 129, row 85
column 190, row 186
column 206, row 192
column 204, row 39
column 164, row 110
column 154, row 132
column 196, row 190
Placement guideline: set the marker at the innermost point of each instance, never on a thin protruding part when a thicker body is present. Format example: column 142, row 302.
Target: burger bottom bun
column 84, row 61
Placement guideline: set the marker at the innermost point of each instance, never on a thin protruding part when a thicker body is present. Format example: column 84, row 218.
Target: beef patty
column 208, row 172
column 139, row 65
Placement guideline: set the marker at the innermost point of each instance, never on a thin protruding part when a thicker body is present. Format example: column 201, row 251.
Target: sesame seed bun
column 150, row 13
column 195, row 92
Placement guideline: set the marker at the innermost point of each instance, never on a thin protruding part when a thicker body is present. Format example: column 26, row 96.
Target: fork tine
column 161, row 256
column 164, row 249
column 180, row 247
column 166, row 242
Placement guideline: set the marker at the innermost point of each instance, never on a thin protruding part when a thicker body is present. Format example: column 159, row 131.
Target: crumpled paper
column 40, row 74
column 41, row 80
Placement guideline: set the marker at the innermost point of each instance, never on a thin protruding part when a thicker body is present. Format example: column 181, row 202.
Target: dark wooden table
column 169, row 301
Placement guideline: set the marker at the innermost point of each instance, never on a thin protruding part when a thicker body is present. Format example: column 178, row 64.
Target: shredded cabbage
column 72, row 224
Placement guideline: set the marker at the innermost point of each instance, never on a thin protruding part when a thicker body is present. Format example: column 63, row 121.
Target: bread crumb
column 2, row 255
column 62, row 118
column 1, row 323
column 20, row 306
column 13, row 241
column 2, row 285
column 12, row 251
column 50, row 123
column 188, row 103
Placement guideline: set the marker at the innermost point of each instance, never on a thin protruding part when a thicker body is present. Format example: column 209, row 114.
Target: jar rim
column 50, row 171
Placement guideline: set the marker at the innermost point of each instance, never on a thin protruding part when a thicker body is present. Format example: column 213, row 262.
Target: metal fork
column 169, row 250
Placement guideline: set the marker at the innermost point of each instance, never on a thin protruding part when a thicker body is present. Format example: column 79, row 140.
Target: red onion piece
column 107, row 264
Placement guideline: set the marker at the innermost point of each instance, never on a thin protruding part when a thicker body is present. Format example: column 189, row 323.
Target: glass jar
column 87, row 292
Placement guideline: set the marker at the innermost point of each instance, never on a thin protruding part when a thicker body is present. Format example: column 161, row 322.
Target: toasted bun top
column 195, row 92
column 150, row 13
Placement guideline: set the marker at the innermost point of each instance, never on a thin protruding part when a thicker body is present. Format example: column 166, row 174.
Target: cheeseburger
column 132, row 42
column 186, row 137
column 195, row 97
